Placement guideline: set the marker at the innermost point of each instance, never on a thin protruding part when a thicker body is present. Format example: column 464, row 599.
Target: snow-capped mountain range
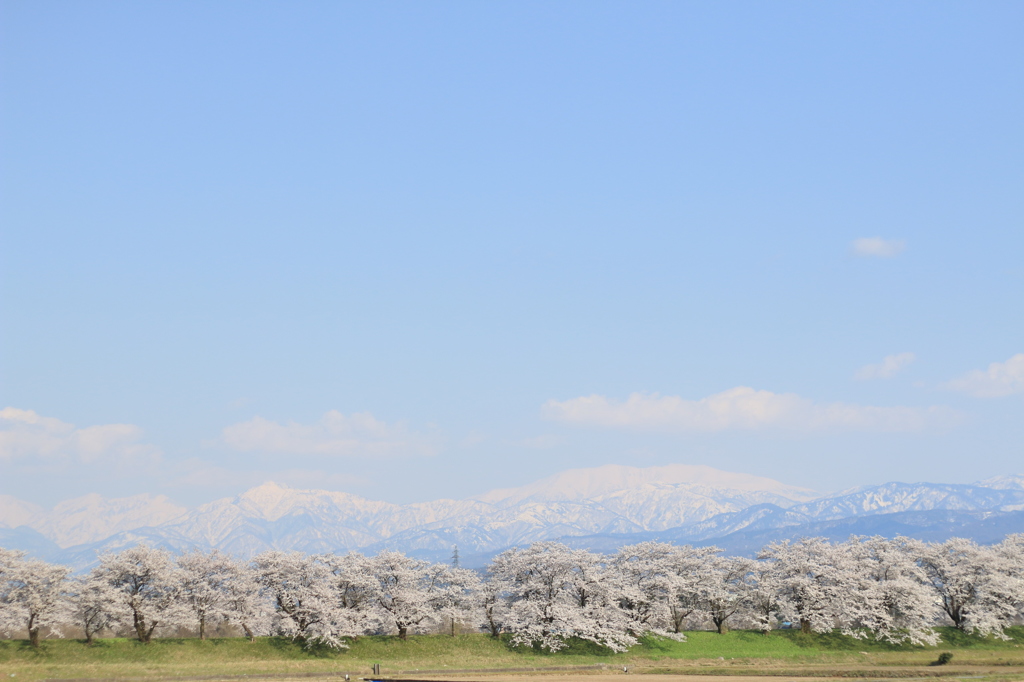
column 599, row 506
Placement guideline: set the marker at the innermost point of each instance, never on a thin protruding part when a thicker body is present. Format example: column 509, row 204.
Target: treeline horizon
column 544, row 595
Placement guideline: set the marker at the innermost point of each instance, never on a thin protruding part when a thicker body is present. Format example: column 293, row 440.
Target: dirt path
column 795, row 674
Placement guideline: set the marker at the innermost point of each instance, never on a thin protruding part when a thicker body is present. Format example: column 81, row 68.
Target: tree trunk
column 403, row 632
column 202, row 627
column 678, row 618
column 805, row 626
column 492, row 626
column 140, row 627
column 957, row 616
column 33, row 631
column 722, row 627
column 248, row 632
column 145, row 634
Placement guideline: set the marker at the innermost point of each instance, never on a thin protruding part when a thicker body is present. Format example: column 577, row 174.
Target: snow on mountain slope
column 89, row 518
column 15, row 512
column 273, row 516
column 659, row 506
column 878, row 506
column 583, row 484
column 889, row 498
column 93, row 517
column 1007, row 482
column 756, row 518
column 899, row 497
column 519, row 525
column 536, row 513
column 680, row 503
column 933, row 525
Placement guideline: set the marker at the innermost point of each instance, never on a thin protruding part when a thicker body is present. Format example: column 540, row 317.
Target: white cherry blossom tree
column 975, row 585
column 812, row 575
column 354, row 586
column 458, row 593
column 305, row 600
column 408, row 594
column 244, row 604
column 657, row 585
column 95, row 605
column 492, row 602
column 1011, row 551
column 10, row 619
column 887, row 592
column 725, row 591
column 691, row 571
column 764, row 588
column 145, row 582
column 33, row 596
column 203, row 584
column 555, row 594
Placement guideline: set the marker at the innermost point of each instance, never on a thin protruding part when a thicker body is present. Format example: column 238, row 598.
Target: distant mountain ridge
column 602, row 506
column 588, row 484
column 88, row 518
column 934, row 525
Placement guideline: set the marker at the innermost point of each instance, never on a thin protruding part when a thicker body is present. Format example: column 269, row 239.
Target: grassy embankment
column 738, row 652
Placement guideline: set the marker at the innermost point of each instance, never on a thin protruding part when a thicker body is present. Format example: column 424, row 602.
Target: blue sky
column 414, row 250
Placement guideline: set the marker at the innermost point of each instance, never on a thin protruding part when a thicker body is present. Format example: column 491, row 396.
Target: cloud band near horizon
column 334, row 434
column 27, row 435
column 1000, row 379
column 743, row 408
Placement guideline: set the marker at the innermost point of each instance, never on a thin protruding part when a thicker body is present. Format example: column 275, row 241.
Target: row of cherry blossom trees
column 895, row 590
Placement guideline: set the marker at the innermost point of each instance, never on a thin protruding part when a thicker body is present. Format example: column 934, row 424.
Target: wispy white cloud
column 1000, row 379
column 357, row 435
column 876, row 247
column 742, row 408
column 889, row 365
column 27, row 434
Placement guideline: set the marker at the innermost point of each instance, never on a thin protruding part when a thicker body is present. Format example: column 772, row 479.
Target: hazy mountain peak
column 268, row 491
column 581, row 484
column 15, row 512
column 1005, row 482
column 93, row 517
column 272, row 501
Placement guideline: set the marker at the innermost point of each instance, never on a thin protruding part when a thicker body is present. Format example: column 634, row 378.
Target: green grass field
column 738, row 651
